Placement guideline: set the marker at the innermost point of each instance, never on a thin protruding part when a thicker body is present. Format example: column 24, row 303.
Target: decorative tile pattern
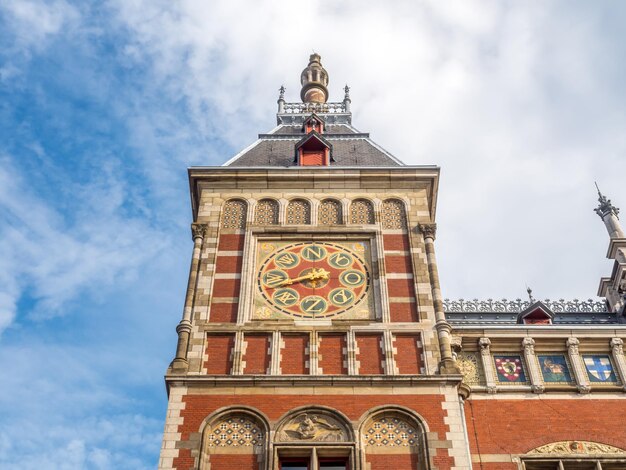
column 470, row 368
column 554, row 368
column 362, row 212
column 266, row 212
column 393, row 214
column 510, row 369
column 236, row 431
column 390, row 431
column 330, row 212
column 599, row 368
column 299, row 212
column 234, row 214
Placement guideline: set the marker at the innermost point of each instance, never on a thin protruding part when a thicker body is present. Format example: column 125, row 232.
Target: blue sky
column 103, row 106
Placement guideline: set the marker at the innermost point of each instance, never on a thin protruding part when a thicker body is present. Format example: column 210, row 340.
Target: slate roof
column 350, row 148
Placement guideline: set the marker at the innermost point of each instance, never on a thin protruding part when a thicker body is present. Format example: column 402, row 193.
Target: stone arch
column 234, row 438
column 298, row 212
column 330, row 212
column 393, row 431
column 362, row 212
column 266, row 212
column 393, row 214
column 234, row 214
column 312, row 425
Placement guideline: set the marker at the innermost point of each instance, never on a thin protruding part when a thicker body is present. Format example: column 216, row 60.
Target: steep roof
column 350, row 148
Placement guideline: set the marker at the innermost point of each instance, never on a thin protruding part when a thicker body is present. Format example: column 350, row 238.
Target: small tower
column 613, row 288
column 314, row 80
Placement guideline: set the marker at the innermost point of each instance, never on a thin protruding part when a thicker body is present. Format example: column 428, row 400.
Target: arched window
column 330, row 212
column 234, row 440
column 393, row 215
column 234, row 214
column 393, row 434
column 361, row 212
column 298, row 212
column 266, row 212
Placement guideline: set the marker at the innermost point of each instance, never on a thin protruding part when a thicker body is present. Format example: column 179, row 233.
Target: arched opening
column 234, row 214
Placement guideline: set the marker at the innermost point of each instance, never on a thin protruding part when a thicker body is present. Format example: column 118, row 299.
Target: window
column 332, row 463
column 234, row 214
column 330, row 212
column 574, row 464
column 266, row 212
column 393, row 215
column 298, row 212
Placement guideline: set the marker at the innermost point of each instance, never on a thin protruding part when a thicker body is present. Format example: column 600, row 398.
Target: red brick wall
column 409, row 355
column 256, row 357
column 503, row 426
column 392, row 461
column 274, row 406
column 331, row 356
column 403, row 312
column 370, row 355
column 294, row 355
column 233, row 462
column 396, row 242
column 218, row 349
column 226, row 289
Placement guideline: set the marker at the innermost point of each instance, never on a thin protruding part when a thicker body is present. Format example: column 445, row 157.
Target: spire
column 346, row 99
column 314, row 80
column 609, row 215
column 281, row 99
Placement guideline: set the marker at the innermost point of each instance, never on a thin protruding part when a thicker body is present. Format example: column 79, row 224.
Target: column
column 238, row 354
column 447, row 364
column 577, row 365
column 184, row 327
column 617, row 349
column 536, row 381
column 485, row 356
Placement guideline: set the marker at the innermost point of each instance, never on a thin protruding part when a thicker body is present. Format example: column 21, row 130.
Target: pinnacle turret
column 314, row 80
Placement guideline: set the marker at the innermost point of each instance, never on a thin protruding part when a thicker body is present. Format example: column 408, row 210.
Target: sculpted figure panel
column 313, row 427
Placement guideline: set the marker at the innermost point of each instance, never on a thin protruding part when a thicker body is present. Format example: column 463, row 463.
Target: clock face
column 313, row 279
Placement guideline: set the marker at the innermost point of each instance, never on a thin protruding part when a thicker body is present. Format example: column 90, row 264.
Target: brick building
column 315, row 335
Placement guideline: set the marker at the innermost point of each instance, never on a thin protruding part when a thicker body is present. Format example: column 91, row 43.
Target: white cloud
column 52, row 257
column 518, row 102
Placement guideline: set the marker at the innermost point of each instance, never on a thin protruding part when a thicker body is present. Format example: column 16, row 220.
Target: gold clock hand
column 311, row 276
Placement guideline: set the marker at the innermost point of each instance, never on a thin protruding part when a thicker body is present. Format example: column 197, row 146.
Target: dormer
column 313, row 150
column 537, row 313
column 313, row 123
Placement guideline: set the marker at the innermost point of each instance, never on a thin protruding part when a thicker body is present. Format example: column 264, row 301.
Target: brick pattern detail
column 257, row 357
column 219, row 354
column 266, row 212
column 231, row 242
column 393, row 214
column 398, row 262
column 330, row 212
column 370, row 355
column 408, row 354
column 232, row 462
column 294, row 356
column 396, row 242
column 518, row 426
column 362, row 212
column 299, row 212
column 332, row 360
column 234, row 214
column 403, row 312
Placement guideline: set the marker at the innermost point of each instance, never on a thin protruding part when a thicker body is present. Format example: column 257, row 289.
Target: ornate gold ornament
column 577, row 448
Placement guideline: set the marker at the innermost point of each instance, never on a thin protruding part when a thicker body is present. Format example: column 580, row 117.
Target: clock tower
column 313, row 333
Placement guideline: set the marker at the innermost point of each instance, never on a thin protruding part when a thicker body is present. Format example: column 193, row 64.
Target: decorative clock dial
column 314, row 279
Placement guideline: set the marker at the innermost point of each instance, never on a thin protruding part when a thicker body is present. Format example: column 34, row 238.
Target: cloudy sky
column 103, row 106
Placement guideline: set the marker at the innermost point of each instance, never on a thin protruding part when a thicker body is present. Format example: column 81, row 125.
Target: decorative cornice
column 428, row 230
column 519, row 305
column 576, row 448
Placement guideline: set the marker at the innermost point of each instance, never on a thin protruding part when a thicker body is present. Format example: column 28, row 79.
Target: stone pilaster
column 351, row 352
column 447, row 364
column 238, row 351
column 277, row 346
column 536, row 381
column 314, row 343
column 617, row 350
column 577, row 365
column 390, row 363
column 183, row 329
column 487, row 361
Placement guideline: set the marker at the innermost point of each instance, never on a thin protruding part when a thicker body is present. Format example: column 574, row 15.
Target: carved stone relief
column 312, row 427
column 576, row 447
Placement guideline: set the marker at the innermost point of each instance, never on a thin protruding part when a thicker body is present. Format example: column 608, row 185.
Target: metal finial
column 282, row 92
column 605, row 207
column 347, row 90
column 530, row 294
